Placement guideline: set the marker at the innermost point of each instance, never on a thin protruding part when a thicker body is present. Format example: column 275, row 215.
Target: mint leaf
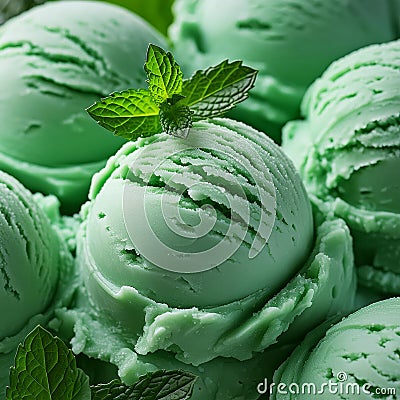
column 129, row 114
column 216, row 90
column 159, row 385
column 175, row 116
column 163, row 385
column 46, row 369
column 11, row 8
column 81, row 387
column 110, row 391
column 163, row 73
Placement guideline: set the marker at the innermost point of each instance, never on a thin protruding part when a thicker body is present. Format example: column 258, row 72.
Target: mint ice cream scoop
column 55, row 60
column 28, row 249
column 35, row 266
column 289, row 42
column 347, row 151
column 178, row 200
column 225, row 193
column 359, row 355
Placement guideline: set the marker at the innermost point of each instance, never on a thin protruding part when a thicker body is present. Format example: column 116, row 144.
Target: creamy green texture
column 290, row 42
column 35, row 265
column 364, row 346
column 137, row 315
column 224, row 166
column 107, row 346
column 28, row 248
column 350, row 152
column 55, row 61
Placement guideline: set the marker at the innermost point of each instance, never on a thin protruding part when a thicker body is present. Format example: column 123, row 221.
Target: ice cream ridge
column 201, row 254
column 350, row 155
column 359, row 356
column 35, row 263
column 290, row 42
column 55, row 60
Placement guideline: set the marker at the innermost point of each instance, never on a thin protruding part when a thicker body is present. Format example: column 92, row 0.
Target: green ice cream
column 348, row 152
column 160, row 213
column 55, row 60
column 359, row 355
column 35, row 266
column 290, row 42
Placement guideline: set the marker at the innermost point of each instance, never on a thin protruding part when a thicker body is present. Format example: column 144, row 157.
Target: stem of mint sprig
column 171, row 103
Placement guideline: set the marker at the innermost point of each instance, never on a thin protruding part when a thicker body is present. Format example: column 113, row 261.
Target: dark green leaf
column 11, row 8
column 110, row 391
column 159, row 385
column 175, row 116
column 163, row 73
column 129, row 114
column 216, row 90
column 46, row 369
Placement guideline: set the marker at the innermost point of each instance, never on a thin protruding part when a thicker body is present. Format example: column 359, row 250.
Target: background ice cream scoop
column 56, row 60
column 156, row 12
column 359, row 353
column 29, row 257
column 290, row 42
column 34, row 265
column 347, row 151
column 236, row 310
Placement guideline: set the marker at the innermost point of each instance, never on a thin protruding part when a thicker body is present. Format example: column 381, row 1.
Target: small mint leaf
column 162, row 385
column 163, row 73
column 129, row 114
column 214, row 91
column 158, row 385
column 81, row 387
column 11, row 8
column 46, row 369
column 175, row 116
column 110, row 391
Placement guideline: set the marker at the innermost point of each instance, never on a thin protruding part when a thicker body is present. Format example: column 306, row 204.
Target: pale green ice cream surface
column 221, row 321
column 55, row 61
column 156, row 289
column 361, row 351
column 36, row 266
column 348, row 153
column 203, row 170
column 290, row 42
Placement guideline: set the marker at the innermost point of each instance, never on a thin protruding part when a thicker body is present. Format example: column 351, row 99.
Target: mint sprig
column 170, row 103
column 45, row 368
